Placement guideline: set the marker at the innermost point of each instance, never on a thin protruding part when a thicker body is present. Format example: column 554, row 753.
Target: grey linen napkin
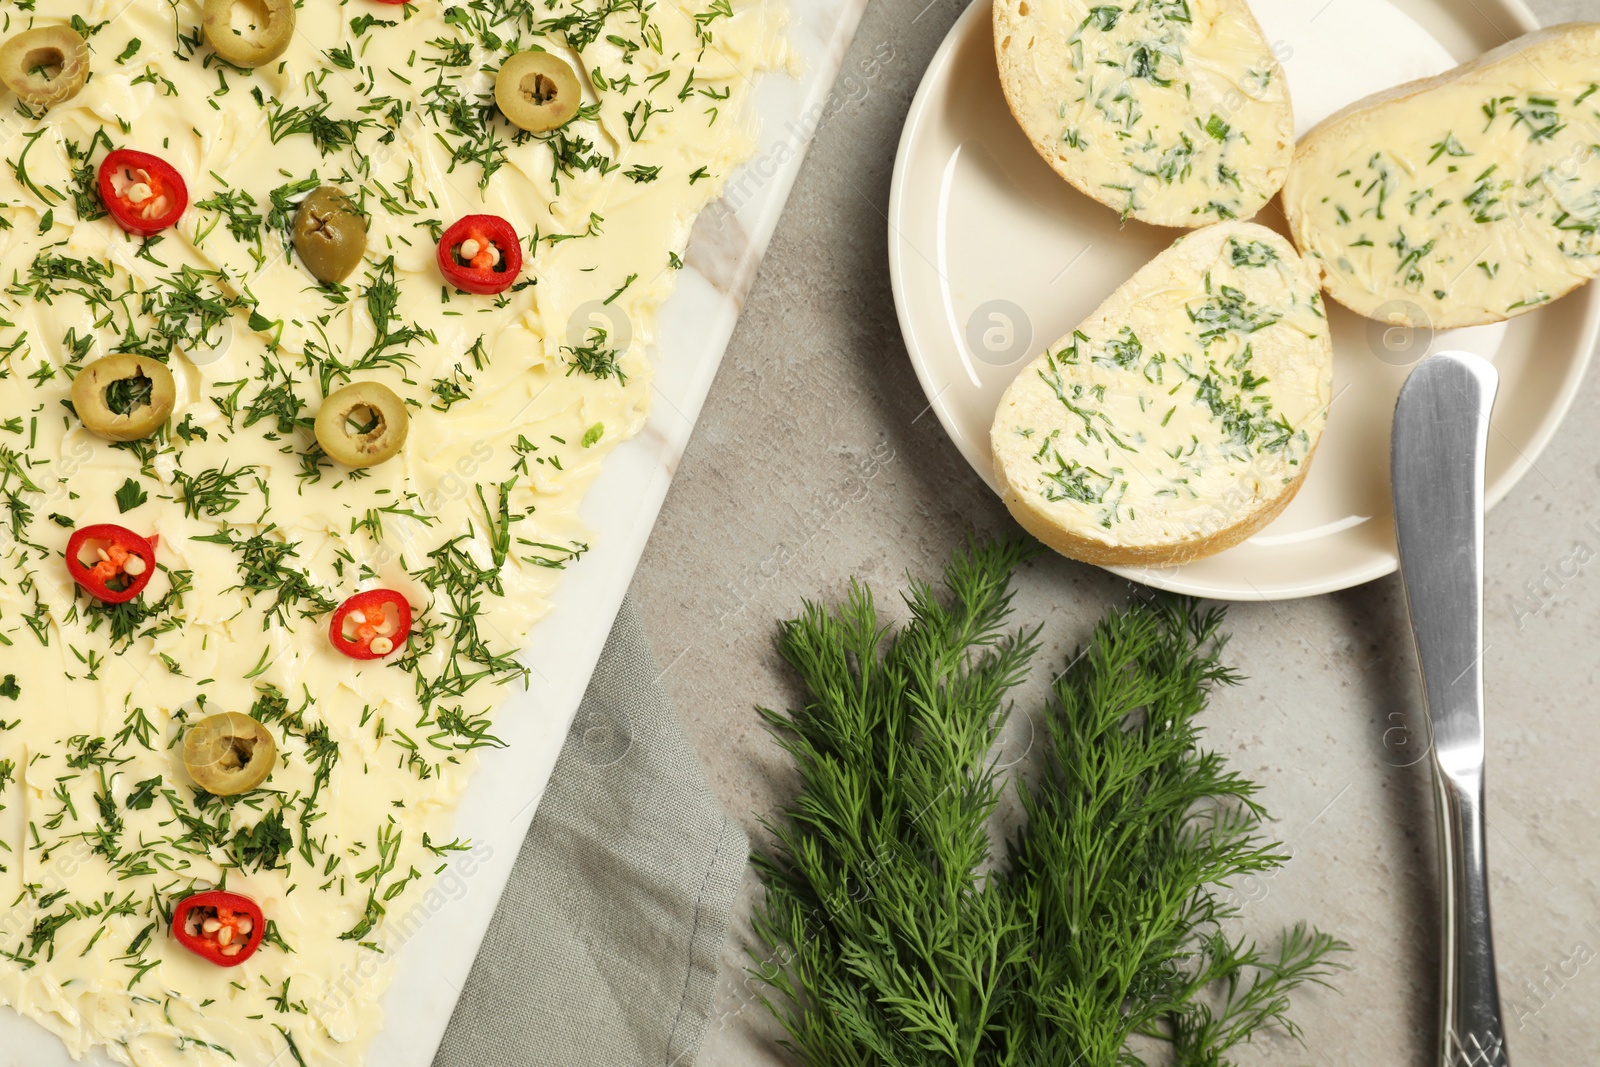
column 604, row 948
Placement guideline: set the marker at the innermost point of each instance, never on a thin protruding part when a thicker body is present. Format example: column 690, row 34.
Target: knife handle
column 1440, row 439
column 1471, row 1034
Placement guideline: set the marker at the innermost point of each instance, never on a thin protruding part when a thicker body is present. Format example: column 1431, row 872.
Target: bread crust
column 1044, row 143
column 1229, row 522
column 1360, row 301
column 1087, row 550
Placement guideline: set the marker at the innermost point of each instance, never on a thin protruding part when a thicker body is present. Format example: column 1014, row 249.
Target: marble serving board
column 724, row 252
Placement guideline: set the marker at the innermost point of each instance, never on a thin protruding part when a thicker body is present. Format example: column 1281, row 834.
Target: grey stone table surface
column 816, row 459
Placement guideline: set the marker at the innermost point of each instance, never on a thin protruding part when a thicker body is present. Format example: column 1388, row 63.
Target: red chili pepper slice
column 480, row 254
column 144, row 193
column 225, row 928
column 120, row 563
column 371, row 625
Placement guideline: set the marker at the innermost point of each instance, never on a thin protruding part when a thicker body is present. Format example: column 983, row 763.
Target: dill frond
column 892, row 936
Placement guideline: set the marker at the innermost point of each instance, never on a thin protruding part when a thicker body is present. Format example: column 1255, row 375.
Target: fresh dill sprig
column 263, row 561
column 892, row 936
column 595, row 359
column 469, row 658
column 86, row 201
column 211, row 492
column 137, row 618
column 328, row 134
column 383, row 302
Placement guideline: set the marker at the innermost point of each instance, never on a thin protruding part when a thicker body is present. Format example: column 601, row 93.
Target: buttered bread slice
column 1182, row 415
column 1173, row 112
column 1464, row 199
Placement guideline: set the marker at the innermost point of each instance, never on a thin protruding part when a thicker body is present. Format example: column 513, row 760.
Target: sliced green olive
column 537, row 91
column 249, row 33
column 330, row 235
column 228, row 754
column 362, row 424
column 123, row 397
column 46, row 65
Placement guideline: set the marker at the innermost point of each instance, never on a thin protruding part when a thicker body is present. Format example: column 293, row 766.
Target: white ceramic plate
column 992, row 257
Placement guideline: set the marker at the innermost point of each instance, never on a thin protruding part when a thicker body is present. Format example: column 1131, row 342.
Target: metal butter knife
column 1441, row 428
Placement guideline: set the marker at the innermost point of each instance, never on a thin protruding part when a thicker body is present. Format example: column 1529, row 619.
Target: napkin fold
column 604, row 949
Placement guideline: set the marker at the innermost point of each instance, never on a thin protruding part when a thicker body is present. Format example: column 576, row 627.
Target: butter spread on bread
column 1464, row 199
column 1182, row 415
column 1173, row 112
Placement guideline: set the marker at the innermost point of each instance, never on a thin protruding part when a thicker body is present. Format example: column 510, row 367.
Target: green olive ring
column 537, row 91
column 228, row 754
column 270, row 41
column 330, row 234
column 362, row 424
column 27, row 59
column 124, row 397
